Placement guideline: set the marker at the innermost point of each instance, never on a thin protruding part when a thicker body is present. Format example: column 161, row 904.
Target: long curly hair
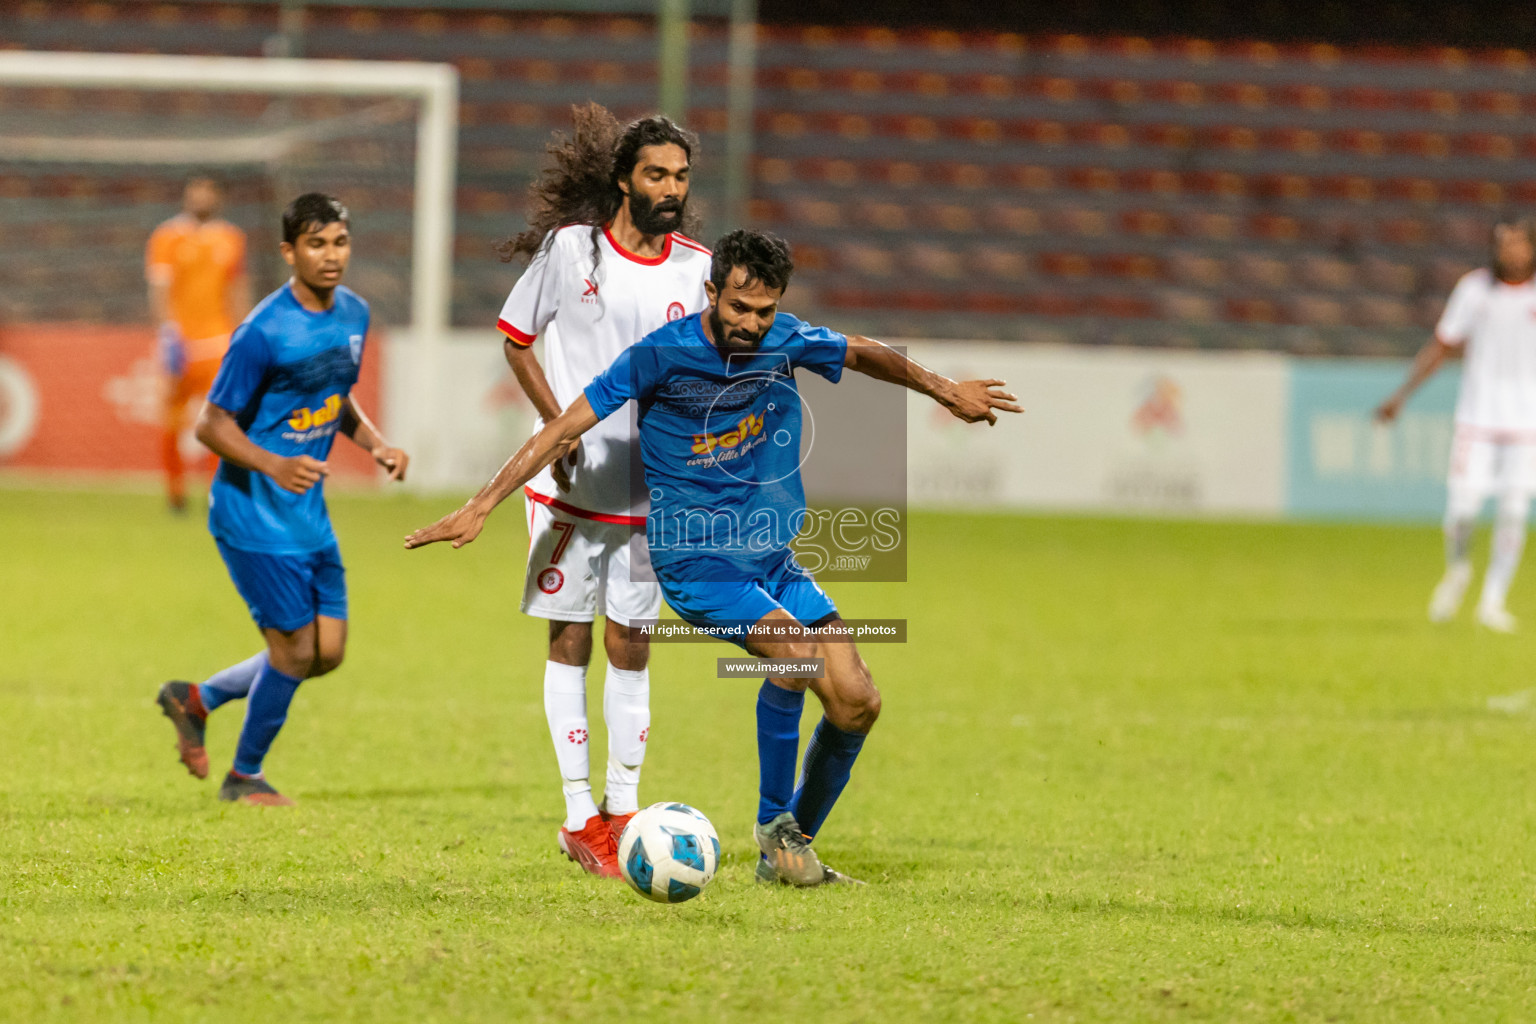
column 580, row 183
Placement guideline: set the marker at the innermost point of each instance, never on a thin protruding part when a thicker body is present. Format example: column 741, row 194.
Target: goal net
column 95, row 150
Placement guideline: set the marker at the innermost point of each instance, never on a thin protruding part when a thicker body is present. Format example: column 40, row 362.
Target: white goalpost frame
column 435, row 85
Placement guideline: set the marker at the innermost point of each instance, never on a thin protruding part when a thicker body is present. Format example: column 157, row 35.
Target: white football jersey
column 1496, row 322
column 588, row 316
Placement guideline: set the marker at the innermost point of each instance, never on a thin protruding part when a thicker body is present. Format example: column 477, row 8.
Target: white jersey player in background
column 608, row 266
column 1491, row 321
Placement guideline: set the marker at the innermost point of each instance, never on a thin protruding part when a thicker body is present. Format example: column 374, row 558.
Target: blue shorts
column 287, row 592
column 727, row 601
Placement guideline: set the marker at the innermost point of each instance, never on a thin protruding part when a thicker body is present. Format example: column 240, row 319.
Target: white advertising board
column 1112, row 429
column 1104, row 429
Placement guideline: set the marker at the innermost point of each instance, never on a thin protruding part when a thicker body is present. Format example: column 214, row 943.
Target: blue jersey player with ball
column 719, row 435
column 282, row 394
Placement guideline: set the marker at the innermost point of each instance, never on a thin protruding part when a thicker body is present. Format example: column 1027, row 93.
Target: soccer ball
column 668, row 852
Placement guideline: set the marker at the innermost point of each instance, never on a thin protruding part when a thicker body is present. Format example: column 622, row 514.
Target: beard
column 738, row 340
column 1511, row 272
column 661, row 218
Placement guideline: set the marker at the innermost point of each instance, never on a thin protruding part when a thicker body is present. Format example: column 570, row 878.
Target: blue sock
column 829, row 761
column 778, row 745
column 232, row 683
column 265, row 713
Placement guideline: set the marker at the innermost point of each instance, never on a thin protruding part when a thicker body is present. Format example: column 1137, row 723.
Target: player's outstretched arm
column 1424, row 366
column 220, row 434
column 356, row 425
column 540, row 450
column 970, row 400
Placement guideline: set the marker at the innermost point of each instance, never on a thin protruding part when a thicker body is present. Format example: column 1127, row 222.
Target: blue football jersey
column 284, row 378
column 720, row 436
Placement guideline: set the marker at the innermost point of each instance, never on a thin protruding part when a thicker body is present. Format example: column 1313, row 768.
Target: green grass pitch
column 1127, row 770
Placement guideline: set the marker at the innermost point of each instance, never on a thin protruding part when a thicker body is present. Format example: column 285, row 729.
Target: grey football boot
column 787, row 854
column 836, row 877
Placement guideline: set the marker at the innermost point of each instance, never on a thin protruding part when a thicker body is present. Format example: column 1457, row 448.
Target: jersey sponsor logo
column 325, row 415
column 551, row 580
column 750, row 426
column 675, row 312
column 590, row 295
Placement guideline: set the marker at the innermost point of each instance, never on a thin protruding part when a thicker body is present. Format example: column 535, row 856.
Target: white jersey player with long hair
column 1490, row 320
column 608, row 265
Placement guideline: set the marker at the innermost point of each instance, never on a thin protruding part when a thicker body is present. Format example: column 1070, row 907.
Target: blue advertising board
column 1342, row 464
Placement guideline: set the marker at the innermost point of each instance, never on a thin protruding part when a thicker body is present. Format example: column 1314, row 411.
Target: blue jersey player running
column 719, row 425
column 281, row 395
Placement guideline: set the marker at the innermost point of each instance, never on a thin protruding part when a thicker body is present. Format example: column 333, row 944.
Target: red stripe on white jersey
column 645, row 261
column 514, row 335
column 581, row 513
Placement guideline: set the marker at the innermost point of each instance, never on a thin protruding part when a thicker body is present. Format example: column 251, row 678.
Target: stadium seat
column 940, row 152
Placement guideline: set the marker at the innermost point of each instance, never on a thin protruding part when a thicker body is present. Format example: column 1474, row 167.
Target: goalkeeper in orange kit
column 198, row 292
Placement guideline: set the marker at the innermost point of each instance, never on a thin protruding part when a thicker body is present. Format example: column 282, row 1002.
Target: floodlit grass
column 1127, row 770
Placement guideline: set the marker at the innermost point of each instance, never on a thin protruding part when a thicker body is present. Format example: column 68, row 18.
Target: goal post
column 435, row 86
column 329, row 123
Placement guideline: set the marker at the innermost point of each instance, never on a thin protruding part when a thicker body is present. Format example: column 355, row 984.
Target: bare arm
column 218, row 431
column 356, row 425
column 160, row 299
column 538, row 451
column 1429, row 359
column 530, row 377
column 970, row 400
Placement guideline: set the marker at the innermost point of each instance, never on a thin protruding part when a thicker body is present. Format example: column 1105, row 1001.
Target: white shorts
column 581, row 568
column 1485, row 464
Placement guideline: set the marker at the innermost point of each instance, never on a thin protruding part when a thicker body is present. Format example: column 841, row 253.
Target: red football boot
column 182, row 703
column 251, row 789
column 616, row 823
column 592, row 847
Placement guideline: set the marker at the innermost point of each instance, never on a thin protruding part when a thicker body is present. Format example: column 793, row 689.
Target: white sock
column 565, row 708
column 627, row 712
column 1508, row 546
column 1458, row 542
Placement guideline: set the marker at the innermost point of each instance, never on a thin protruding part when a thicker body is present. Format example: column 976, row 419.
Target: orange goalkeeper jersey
column 198, row 263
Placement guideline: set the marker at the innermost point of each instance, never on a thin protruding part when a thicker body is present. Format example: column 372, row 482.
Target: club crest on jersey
column 355, row 343
column 551, row 580
column 675, row 312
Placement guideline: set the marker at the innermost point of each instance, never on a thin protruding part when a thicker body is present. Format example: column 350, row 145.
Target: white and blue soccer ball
column 669, row 852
